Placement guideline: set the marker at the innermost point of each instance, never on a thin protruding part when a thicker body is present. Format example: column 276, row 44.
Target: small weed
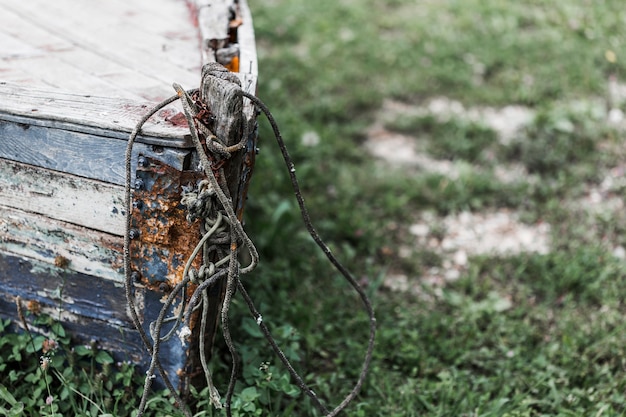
column 46, row 375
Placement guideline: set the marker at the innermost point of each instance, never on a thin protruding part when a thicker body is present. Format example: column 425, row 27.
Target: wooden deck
column 75, row 78
column 122, row 49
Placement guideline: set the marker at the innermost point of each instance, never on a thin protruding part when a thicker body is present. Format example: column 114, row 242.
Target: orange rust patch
column 61, row 262
column 177, row 120
column 233, row 65
column 34, row 307
column 165, row 238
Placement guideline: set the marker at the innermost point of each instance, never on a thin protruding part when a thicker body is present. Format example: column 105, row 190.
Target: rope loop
column 199, row 202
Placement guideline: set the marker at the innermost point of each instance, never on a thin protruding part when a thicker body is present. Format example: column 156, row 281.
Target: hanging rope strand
column 333, row 260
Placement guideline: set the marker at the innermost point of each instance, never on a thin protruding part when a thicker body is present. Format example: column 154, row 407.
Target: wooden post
column 218, row 21
column 221, row 92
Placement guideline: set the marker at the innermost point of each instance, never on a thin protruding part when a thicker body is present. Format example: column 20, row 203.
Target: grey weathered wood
column 220, row 91
column 91, row 309
column 213, row 22
column 248, row 63
column 38, row 237
column 86, row 155
column 84, row 202
column 103, row 113
column 74, row 80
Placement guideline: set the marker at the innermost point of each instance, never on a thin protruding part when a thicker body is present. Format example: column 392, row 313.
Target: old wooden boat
column 75, row 78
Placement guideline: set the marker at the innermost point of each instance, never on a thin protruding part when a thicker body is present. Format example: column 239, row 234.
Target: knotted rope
column 223, row 238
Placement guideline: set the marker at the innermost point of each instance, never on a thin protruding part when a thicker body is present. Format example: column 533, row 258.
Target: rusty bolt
column 142, row 161
column 133, row 233
column 139, row 184
column 164, row 287
column 135, row 276
column 138, row 204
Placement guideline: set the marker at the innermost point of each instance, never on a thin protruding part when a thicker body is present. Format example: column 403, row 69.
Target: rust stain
column 193, row 12
column 164, row 239
column 166, row 113
column 115, row 246
column 34, row 307
column 178, row 119
column 235, row 23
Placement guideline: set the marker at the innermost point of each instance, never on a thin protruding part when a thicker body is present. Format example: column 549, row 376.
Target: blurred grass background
column 521, row 335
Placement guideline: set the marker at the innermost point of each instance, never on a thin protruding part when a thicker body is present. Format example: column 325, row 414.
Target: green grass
column 520, row 335
column 525, row 335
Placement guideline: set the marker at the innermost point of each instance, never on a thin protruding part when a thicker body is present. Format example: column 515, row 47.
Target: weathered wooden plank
column 77, row 142
column 78, row 295
column 86, row 155
column 118, row 32
column 27, row 33
column 90, row 309
column 221, row 93
column 46, row 240
column 123, row 341
column 247, row 52
column 213, row 20
column 30, row 45
column 93, row 204
column 105, row 113
column 15, row 48
column 73, row 78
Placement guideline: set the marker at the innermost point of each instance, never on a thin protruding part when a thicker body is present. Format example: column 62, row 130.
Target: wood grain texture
column 91, row 156
column 142, row 44
column 43, row 239
column 75, row 77
column 97, row 65
column 93, row 204
column 213, row 20
column 247, row 47
column 115, row 115
column 91, row 309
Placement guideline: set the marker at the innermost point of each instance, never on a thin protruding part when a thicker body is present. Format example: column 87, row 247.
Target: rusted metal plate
column 162, row 237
